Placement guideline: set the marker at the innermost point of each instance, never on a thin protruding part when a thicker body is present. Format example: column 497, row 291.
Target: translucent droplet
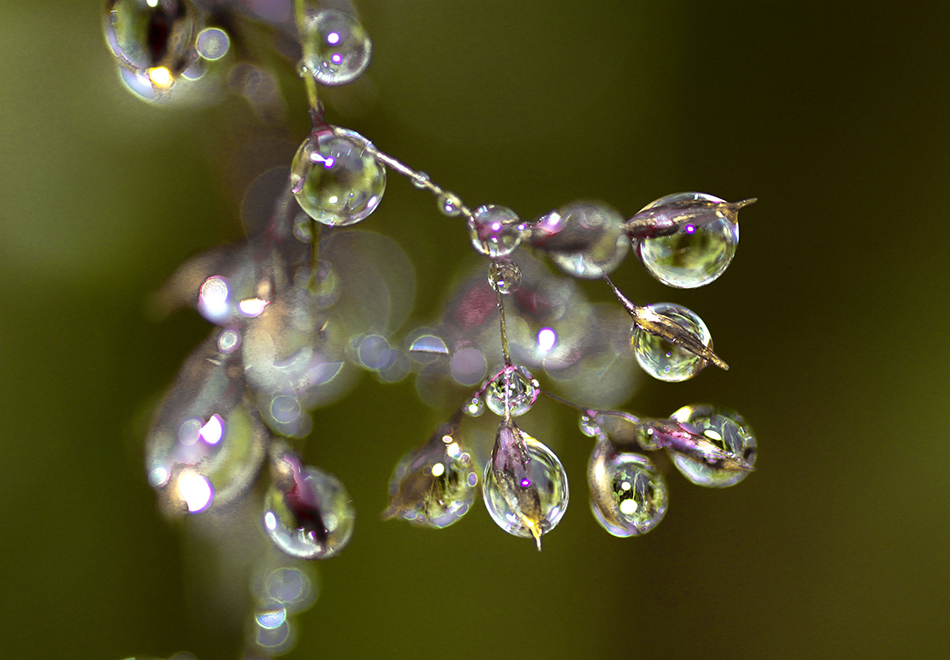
column 291, row 586
column 723, row 427
column 434, row 485
column 504, row 275
column 213, row 43
column 429, row 344
column 336, row 47
column 335, row 180
column 584, row 239
column 495, row 231
column 663, row 359
column 450, row 204
column 374, row 352
column 525, row 487
column 152, row 37
column 421, row 180
column 229, row 340
column 307, row 512
column 512, row 389
column 627, row 495
column 701, row 248
column 475, row 406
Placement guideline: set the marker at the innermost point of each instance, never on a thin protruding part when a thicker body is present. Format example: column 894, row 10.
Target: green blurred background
column 833, row 317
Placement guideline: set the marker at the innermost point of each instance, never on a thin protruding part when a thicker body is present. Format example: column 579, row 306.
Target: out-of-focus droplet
column 213, row 43
column 468, row 366
column 450, row 205
column 475, row 406
column 434, row 485
column 294, row 587
column 504, row 275
column 373, row 352
column 512, row 389
column 307, row 512
column 336, row 47
column 628, row 497
column 584, row 239
column 335, row 179
column 152, row 37
column 525, row 487
column 272, row 631
column 663, row 359
column 726, row 429
column 705, row 233
column 427, row 343
column 495, row 231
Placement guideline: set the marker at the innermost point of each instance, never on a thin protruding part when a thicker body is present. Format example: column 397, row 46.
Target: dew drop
column 663, row 359
column 729, row 431
column 584, row 239
column 628, row 497
column 213, row 43
column 475, row 406
column 337, row 47
column 495, row 231
column 335, row 179
column 504, row 275
column 513, row 389
column 152, row 37
column 450, row 205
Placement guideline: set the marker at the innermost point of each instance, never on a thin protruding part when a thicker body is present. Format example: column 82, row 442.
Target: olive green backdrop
column 833, row 316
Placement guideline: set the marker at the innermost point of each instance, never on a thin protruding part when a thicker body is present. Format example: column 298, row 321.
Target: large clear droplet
column 495, row 231
column 504, row 275
column 336, row 47
column 584, row 239
column 663, row 359
column 335, row 179
column 434, row 485
column 307, row 512
column 512, row 389
column 627, row 495
column 702, row 246
column 154, row 37
column 525, row 488
column 726, row 429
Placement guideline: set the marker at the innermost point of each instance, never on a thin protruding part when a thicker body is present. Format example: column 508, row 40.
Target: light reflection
column 252, row 307
column 429, row 344
column 195, row 490
column 213, row 431
column 213, row 299
column 161, row 77
column 272, row 617
column 547, row 339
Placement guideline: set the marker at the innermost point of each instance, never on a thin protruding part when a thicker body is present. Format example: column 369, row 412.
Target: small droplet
column 229, row 340
column 628, row 496
column 213, row 43
column 434, row 485
column 726, row 429
column 703, row 242
column 475, row 406
column 513, row 389
column 337, row 47
column 495, row 231
column 421, row 181
column 584, row 239
column 307, row 512
column 450, row 204
column 525, row 487
column 152, row 37
column 663, row 359
column 429, row 344
column 504, row 275
column 335, row 179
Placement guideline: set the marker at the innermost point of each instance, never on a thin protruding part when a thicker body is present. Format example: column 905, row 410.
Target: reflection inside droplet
column 429, row 344
column 195, row 490
column 547, row 339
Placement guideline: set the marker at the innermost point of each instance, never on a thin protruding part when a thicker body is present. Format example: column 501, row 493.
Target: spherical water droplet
column 475, row 406
column 229, row 340
column 725, row 428
column 336, row 47
column 663, row 359
column 156, row 37
column 504, row 275
column 307, row 512
column 291, row 586
column 585, row 239
column 589, row 426
column 525, row 487
column 212, row 43
column 495, row 231
column 335, row 180
column 512, row 389
column 627, row 495
column 434, row 485
column 421, row 181
column 701, row 250
column 450, row 204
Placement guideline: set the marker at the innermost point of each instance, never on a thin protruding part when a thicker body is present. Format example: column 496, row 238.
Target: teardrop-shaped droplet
column 504, row 275
column 726, row 429
column 663, row 359
column 512, row 389
column 525, row 488
column 585, row 239
column 152, row 37
column 434, row 485
column 335, row 179
column 705, row 233
column 495, row 231
column 336, row 46
column 307, row 512
column 628, row 496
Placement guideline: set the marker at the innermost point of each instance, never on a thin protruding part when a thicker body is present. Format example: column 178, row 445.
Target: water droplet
column 434, row 485
column 663, row 359
column 726, row 429
column 450, row 204
column 525, row 486
column 589, row 426
column 584, row 239
column 429, row 344
column 307, row 512
column 291, row 586
column 335, row 180
column 475, row 406
column 628, row 496
column 495, row 231
column 229, row 340
column 373, row 352
column 152, row 37
column 420, row 181
column 703, row 242
column 504, row 275
column 337, row 47
column 213, row 43
column 513, row 389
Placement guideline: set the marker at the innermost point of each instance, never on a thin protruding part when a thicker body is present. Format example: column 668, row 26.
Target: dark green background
column 833, row 317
